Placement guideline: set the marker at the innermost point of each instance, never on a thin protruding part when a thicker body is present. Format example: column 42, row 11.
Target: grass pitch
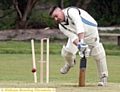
column 16, row 65
column 15, row 72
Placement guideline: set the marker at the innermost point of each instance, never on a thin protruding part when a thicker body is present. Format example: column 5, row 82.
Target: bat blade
column 82, row 72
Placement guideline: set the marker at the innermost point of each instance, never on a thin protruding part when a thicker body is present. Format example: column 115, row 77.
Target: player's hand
column 86, row 53
column 82, row 46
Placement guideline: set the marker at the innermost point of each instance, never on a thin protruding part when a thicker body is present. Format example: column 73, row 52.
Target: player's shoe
column 103, row 82
column 66, row 68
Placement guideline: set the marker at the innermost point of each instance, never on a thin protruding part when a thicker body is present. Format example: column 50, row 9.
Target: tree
column 19, row 14
column 61, row 3
column 83, row 3
column 105, row 12
column 24, row 8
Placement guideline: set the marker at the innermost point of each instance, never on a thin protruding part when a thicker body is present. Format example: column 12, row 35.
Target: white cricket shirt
column 77, row 21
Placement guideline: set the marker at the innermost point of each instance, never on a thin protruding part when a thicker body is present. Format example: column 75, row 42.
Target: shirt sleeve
column 75, row 17
column 68, row 33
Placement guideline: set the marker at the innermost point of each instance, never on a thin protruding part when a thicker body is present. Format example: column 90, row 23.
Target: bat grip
column 83, row 63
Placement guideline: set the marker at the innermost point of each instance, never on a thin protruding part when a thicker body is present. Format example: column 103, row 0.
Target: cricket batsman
column 82, row 32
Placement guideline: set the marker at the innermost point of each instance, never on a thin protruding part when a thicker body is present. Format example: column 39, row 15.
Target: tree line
column 22, row 14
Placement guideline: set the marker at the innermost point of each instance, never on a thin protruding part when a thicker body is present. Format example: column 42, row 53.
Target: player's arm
column 75, row 17
column 68, row 33
column 81, row 37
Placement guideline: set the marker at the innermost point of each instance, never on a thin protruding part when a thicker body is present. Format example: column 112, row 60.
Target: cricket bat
column 82, row 71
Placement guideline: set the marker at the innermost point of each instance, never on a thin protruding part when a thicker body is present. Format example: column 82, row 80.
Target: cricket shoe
column 103, row 81
column 66, row 68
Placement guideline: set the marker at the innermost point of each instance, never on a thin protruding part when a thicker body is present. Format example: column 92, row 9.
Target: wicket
column 41, row 60
column 33, row 57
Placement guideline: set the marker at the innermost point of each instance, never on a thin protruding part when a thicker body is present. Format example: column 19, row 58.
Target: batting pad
column 99, row 56
column 98, row 52
column 68, row 56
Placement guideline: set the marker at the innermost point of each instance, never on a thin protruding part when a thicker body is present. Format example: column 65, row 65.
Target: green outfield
column 16, row 65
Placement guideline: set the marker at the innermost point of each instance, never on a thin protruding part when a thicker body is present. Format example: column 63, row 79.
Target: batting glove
column 83, row 49
column 82, row 46
column 86, row 53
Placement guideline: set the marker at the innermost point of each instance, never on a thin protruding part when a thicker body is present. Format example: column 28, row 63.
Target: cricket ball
column 33, row 70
